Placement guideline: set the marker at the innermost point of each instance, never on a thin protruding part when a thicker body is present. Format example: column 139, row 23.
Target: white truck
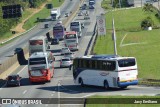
column 55, row 13
column 130, row 2
column 38, row 44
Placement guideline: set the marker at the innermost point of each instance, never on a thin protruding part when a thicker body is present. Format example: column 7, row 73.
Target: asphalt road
column 62, row 85
column 8, row 49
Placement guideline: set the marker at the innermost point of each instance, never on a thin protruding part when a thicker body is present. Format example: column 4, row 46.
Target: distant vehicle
column 71, row 40
column 46, row 25
column 105, row 70
column 130, row 2
column 66, row 14
column 83, row 7
column 64, row 50
column 80, row 13
column 59, row 31
column 41, row 67
column 91, row 7
column 55, row 14
column 14, row 80
column 55, row 41
column 65, row 62
column 38, row 44
column 70, row 55
column 76, row 26
column 86, row 17
column 91, row 2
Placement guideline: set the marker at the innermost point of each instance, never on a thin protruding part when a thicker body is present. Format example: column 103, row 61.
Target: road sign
column 100, row 21
column 101, row 25
column 101, row 31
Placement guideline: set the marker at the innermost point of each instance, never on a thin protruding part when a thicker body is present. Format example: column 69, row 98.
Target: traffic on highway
column 58, row 64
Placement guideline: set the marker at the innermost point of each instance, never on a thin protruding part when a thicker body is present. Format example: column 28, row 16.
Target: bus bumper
column 39, row 79
column 127, row 83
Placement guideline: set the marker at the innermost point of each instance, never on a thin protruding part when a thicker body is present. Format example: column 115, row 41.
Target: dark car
column 91, row 7
column 55, row 41
column 46, row 25
column 13, row 80
column 17, row 50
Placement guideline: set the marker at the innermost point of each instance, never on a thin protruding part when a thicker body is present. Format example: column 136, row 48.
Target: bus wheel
column 81, row 82
column 123, row 87
column 106, row 86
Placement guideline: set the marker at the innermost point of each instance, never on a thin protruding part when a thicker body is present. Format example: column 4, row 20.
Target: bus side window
column 99, row 64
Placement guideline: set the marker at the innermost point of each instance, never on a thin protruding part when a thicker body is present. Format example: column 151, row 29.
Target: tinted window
column 70, row 36
column 75, row 24
column 58, row 28
column 35, row 61
column 65, row 59
column 126, row 62
column 12, row 78
column 108, row 65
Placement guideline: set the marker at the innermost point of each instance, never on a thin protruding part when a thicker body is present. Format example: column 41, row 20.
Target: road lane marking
column 88, row 95
column 22, row 69
column 24, row 91
column 58, row 94
column 46, row 105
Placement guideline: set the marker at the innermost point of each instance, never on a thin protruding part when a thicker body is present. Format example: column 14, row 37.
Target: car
column 55, row 41
column 65, row 50
column 66, row 14
column 18, row 50
column 80, row 13
column 91, row 7
column 86, row 17
column 46, row 25
column 13, row 80
column 65, row 62
column 69, row 54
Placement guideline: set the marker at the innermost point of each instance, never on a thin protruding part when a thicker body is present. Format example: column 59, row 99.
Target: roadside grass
column 116, row 99
column 146, row 49
column 44, row 13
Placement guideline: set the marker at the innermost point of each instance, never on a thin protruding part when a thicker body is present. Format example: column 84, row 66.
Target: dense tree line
column 7, row 24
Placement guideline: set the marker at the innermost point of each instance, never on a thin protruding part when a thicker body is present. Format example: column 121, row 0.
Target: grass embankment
column 126, row 99
column 132, row 41
column 44, row 13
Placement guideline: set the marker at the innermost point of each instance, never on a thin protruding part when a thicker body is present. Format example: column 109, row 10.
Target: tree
column 147, row 22
column 148, row 8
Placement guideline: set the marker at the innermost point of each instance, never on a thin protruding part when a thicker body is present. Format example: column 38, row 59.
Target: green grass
column 44, row 13
column 130, row 99
column 127, row 22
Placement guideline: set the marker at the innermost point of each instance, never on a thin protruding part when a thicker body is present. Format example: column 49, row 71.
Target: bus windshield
column 36, row 42
column 58, row 28
column 126, row 62
column 70, row 36
column 35, row 61
column 75, row 24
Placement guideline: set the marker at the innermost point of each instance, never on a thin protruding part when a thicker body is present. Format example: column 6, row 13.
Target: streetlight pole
column 114, row 37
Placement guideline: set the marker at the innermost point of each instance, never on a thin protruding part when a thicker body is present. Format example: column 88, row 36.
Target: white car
column 65, row 62
column 65, row 50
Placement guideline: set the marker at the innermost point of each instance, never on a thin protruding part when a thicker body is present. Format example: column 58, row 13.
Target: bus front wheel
column 81, row 82
column 106, row 85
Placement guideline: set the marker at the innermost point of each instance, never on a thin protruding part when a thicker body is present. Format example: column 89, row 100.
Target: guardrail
column 13, row 59
column 91, row 43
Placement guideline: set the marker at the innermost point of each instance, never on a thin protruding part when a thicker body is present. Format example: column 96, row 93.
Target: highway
column 62, row 85
column 8, row 50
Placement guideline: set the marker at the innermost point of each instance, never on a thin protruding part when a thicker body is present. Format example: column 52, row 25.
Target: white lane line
column 46, row 105
column 22, row 69
column 133, row 44
column 24, row 91
column 59, row 94
column 88, row 95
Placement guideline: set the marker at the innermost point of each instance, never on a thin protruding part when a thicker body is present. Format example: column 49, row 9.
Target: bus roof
column 105, row 57
column 70, row 32
column 39, row 54
column 38, row 38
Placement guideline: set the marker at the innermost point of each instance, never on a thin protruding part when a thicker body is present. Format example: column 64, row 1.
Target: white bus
column 71, row 40
column 41, row 66
column 76, row 26
column 38, row 44
column 105, row 70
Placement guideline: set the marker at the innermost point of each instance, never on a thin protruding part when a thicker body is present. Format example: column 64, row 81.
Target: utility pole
column 114, row 37
column 120, row 3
